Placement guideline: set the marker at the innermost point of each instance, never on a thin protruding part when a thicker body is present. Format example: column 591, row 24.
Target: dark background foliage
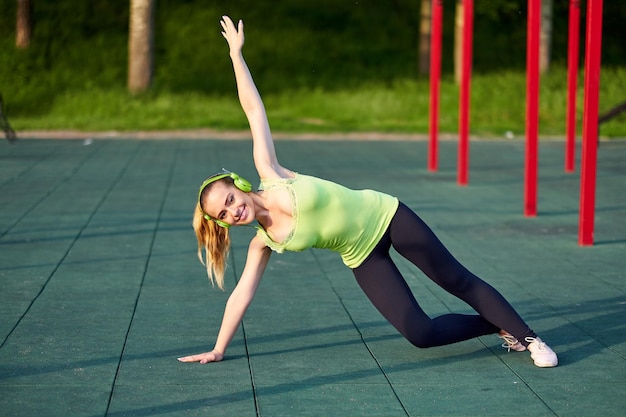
column 323, row 44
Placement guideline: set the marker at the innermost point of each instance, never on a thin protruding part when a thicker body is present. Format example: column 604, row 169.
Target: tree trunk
column 140, row 45
column 458, row 40
column 546, row 36
column 423, row 67
column 23, row 27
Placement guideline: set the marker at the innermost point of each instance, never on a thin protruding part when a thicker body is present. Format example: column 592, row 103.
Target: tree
column 24, row 27
column 458, row 40
column 424, row 39
column 546, row 35
column 140, row 45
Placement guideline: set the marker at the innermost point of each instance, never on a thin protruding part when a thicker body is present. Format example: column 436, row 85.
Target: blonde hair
column 214, row 241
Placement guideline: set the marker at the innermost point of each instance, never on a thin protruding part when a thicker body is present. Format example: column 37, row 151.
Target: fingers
column 193, row 358
column 226, row 19
column 233, row 35
column 228, row 25
column 202, row 358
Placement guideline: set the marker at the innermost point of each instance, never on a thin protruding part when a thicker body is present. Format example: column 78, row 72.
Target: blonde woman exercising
column 296, row 211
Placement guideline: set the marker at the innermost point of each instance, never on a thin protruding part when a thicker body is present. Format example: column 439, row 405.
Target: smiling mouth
column 242, row 214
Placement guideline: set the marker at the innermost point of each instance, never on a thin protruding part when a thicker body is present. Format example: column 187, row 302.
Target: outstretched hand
column 234, row 35
column 213, row 356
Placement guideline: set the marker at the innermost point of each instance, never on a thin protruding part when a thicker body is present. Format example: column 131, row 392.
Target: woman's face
column 229, row 204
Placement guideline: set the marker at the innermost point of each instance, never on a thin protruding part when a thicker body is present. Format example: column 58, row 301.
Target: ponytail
column 216, row 244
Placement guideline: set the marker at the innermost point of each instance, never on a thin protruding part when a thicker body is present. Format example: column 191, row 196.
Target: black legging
column 383, row 284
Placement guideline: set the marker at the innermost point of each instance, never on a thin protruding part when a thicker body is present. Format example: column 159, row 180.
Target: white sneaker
column 541, row 353
column 511, row 343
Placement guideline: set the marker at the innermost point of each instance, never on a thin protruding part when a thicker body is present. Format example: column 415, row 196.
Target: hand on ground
column 213, row 356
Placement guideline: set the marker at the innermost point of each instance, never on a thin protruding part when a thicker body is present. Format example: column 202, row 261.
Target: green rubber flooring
column 101, row 290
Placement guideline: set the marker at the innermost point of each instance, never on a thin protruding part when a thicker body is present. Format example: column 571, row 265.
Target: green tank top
column 327, row 215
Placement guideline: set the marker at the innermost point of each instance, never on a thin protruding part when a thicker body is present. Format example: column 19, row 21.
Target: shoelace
column 509, row 341
column 541, row 346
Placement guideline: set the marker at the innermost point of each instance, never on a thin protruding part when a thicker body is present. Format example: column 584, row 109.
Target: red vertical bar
column 573, row 40
column 464, row 94
column 435, row 74
column 593, row 51
column 532, row 107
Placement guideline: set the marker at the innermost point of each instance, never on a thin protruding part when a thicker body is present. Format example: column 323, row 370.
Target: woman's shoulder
column 274, row 172
column 271, row 182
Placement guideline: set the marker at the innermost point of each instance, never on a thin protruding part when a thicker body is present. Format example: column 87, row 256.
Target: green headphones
column 239, row 182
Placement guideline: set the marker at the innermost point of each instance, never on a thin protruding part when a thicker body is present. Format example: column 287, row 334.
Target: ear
column 241, row 183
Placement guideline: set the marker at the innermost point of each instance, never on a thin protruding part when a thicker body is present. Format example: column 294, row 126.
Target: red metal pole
column 464, row 94
column 593, row 51
column 532, row 107
column 573, row 40
column 435, row 75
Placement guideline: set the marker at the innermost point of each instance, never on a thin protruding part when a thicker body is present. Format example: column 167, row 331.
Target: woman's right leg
column 386, row 288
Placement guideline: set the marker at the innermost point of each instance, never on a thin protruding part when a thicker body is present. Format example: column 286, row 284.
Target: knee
column 422, row 339
column 421, row 344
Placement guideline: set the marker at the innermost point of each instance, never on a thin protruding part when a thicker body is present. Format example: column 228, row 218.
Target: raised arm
column 238, row 302
column 263, row 145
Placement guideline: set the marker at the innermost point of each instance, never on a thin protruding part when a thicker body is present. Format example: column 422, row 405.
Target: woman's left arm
column 263, row 144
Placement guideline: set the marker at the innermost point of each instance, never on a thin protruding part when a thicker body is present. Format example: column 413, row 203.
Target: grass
column 321, row 66
column 402, row 106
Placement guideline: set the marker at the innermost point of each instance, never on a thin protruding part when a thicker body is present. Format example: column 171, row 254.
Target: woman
column 296, row 212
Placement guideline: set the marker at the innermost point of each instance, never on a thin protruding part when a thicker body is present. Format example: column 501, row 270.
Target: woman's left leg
column 414, row 240
column 383, row 284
